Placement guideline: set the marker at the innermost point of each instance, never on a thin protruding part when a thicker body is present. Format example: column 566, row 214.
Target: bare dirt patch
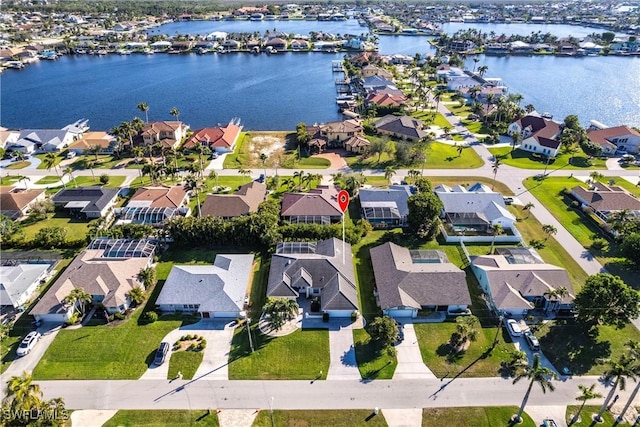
column 272, row 144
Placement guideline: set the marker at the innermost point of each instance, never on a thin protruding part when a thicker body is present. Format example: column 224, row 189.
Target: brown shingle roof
column 323, row 201
column 12, row 199
column 242, row 202
column 607, row 199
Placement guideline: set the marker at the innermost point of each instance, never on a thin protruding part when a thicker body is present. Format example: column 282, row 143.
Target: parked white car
column 27, row 344
column 514, row 328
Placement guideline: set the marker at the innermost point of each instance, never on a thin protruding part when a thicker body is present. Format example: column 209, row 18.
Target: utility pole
column 249, row 331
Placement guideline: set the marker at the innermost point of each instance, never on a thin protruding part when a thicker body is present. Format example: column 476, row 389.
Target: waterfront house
column 318, row 206
column 372, row 70
column 277, row 43
column 221, row 139
column 160, row 46
column 16, row 203
column 338, row 132
column 469, row 214
column 107, row 270
column 19, row 281
column 86, row 202
column 357, row 144
column 538, row 135
column 154, row 205
column 317, row 271
column 385, row 207
column 212, row 291
column 231, row 45
column 606, row 200
column 103, row 141
column 401, row 127
column 217, row 36
column 408, row 281
column 387, row 101
column 299, row 44
column 612, row 139
column 8, row 137
column 375, row 82
column 41, row 140
column 243, row 202
column 168, row 133
column 516, row 281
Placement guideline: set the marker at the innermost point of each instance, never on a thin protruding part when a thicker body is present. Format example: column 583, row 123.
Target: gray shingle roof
column 16, row 279
column 97, row 197
column 401, row 125
column 490, row 205
column 397, row 194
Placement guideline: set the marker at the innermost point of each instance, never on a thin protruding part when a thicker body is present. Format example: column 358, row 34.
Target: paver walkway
column 403, row 417
column 410, row 364
column 343, row 364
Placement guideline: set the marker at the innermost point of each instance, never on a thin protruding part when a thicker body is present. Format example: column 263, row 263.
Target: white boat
column 256, row 17
column 13, row 64
column 345, row 98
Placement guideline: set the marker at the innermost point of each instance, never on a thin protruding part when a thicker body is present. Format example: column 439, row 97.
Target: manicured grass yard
column 313, row 163
column 185, row 362
column 81, row 181
column 495, row 416
column 163, row 418
column 42, row 157
column 586, row 416
column 524, row 159
column 373, row 362
column 76, row 228
column 18, row 165
column 9, row 180
column 240, row 155
column 302, row 355
column 49, row 179
column 320, row 418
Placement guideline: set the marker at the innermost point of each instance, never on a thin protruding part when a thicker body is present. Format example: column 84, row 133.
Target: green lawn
column 163, row 418
column 82, row 181
column 105, row 352
column 373, row 362
column 18, row 165
column 240, row 156
column 76, row 228
column 568, row 344
column 49, row 179
column 588, row 412
column 525, row 160
column 185, row 362
column 9, row 180
column 312, row 163
column 495, row 416
column 302, row 355
column 59, row 158
column 104, row 161
column 320, row 418
column 378, row 181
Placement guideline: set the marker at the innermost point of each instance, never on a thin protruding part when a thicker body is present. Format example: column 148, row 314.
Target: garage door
column 399, row 312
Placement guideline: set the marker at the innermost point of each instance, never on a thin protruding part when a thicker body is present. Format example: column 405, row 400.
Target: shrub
column 120, row 316
column 598, row 243
column 574, row 204
column 150, row 317
column 176, row 346
column 203, row 344
column 75, row 317
column 192, row 347
column 104, row 179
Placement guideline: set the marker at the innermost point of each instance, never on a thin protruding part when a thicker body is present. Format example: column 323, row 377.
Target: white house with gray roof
column 385, row 208
column 213, row 291
column 315, row 270
column 19, row 282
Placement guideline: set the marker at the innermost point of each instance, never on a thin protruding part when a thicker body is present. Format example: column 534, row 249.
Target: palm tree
column 389, row 171
column 263, row 159
column 497, row 162
column 536, row 373
column 634, row 351
column 24, row 180
column 69, row 171
column 94, row 149
column 175, row 113
column 549, row 230
column 243, row 171
column 496, row 230
column 24, row 394
column 147, row 276
column 618, row 371
column 145, row 109
column 192, row 183
column 137, row 295
column 556, row 295
column 588, row 393
column 50, row 161
column 92, row 164
column 482, row 70
column 279, row 311
column 516, row 138
column 475, row 62
column 529, row 108
column 79, row 297
column 214, row 175
column 466, row 330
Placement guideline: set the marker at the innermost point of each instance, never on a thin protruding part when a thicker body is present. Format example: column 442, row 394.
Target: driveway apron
column 410, row 364
column 343, row 364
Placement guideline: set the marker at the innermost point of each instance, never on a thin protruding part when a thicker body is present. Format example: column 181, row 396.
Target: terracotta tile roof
column 218, row 136
column 357, row 141
column 387, row 99
column 242, row 202
column 603, row 136
column 160, row 197
column 323, row 201
column 154, row 128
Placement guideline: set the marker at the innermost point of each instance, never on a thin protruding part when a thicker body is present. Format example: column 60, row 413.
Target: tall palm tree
column 24, row 394
column 214, row 175
column 618, row 371
column 144, row 107
column 24, row 179
column 389, row 171
column 588, row 393
column 263, row 159
column 536, row 373
column 78, row 297
column 496, row 230
column 193, row 183
column 482, row 70
column 634, row 351
column 69, row 171
column 92, row 164
column 175, row 113
column 549, row 230
column 495, row 166
column 51, row 161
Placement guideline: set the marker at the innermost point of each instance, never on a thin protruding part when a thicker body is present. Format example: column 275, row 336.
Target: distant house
column 277, row 43
column 107, row 270
column 212, row 291
column 517, row 281
column 154, row 205
column 42, row 140
column 299, row 44
column 16, row 203
column 606, row 200
column 375, row 82
column 102, row 140
column 8, row 137
column 222, row 139
column 243, row 202
column 539, row 135
column 315, row 270
column 372, row 70
column 336, row 133
column 318, row 206
column 170, row 134
column 402, row 127
column 19, row 282
column 470, row 213
column 387, row 100
column 408, row 281
column 357, row 144
column 385, row 208
column 615, row 138
column 86, row 202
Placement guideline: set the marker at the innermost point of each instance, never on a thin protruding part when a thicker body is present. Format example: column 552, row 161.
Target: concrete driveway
column 410, row 364
column 343, row 365
column 28, row 363
column 539, row 413
column 521, row 344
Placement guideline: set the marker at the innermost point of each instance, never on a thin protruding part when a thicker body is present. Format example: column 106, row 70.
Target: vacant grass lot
column 373, row 362
column 473, row 416
column 525, row 160
column 321, row 418
column 185, row 362
column 240, row 156
column 439, row 156
column 76, row 228
column 302, row 355
column 81, row 181
column 163, row 418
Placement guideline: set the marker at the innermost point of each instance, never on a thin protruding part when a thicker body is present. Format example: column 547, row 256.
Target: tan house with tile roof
column 357, row 144
column 243, row 202
column 159, row 197
column 16, row 203
column 106, row 142
column 169, row 133
column 222, row 139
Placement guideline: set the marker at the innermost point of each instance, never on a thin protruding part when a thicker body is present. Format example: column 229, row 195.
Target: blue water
column 558, row 30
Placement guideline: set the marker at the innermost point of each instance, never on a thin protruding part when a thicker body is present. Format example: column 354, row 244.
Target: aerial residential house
column 318, row 206
column 77, row 128
column 516, row 281
column 105, row 142
column 372, row 70
column 212, row 291
column 337, row 133
column 86, row 202
column 538, row 135
column 470, row 214
column 401, row 127
column 316, row 271
column 107, row 270
column 16, row 203
column 388, row 101
column 606, row 200
column 385, row 208
column 222, row 139
column 373, row 83
column 407, row 281
column 19, row 282
column 243, row 202
column 170, row 134
column 277, row 43
column 41, row 140
column 8, row 137
column 612, row 139
column 357, row 144
column 154, row 205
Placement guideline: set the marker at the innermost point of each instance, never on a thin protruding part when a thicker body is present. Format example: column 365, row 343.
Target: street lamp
column 271, row 411
column 249, row 331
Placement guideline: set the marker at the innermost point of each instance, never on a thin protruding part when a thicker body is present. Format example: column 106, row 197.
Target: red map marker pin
column 343, row 200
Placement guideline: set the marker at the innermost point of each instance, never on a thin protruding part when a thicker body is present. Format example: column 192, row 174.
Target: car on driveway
column 514, row 328
column 161, row 353
column 548, row 422
column 532, row 341
column 28, row 343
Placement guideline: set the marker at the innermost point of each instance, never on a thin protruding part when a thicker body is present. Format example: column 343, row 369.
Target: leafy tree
column 279, row 311
column 78, row 297
column 50, row 237
column 104, row 179
column 591, row 148
column 587, row 393
column 424, row 212
column 383, row 330
column 607, row 300
column 137, row 295
column 403, row 153
column 536, row 373
column 9, row 229
column 630, row 247
column 378, row 147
